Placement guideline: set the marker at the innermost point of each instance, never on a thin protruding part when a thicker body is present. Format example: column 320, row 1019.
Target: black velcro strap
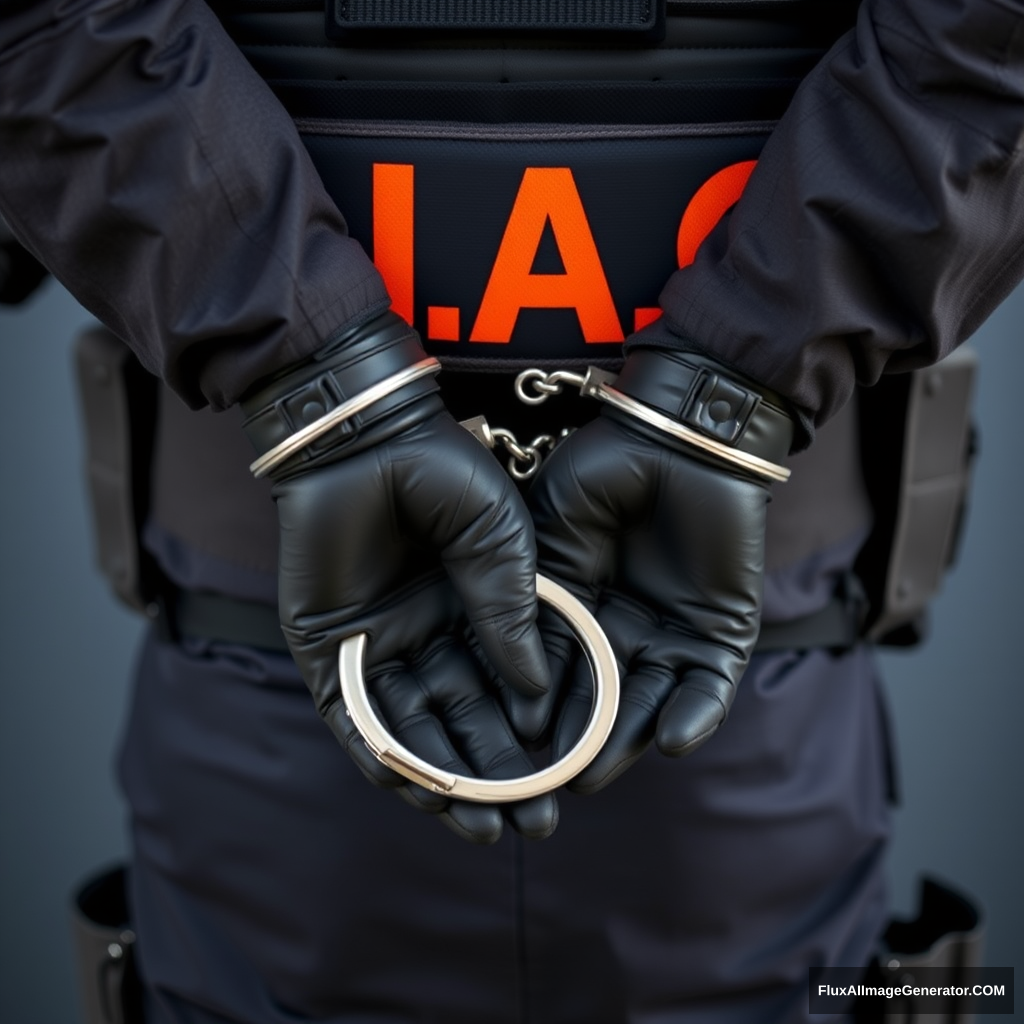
column 515, row 15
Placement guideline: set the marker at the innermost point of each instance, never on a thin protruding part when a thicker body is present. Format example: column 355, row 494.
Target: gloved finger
column 480, row 731
column 463, row 504
column 586, row 495
column 693, row 712
column 591, row 491
column 501, row 600
column 422, row 799
column 476, row 823
column 643, row 695
column 442, row 710
column 560, row 644
column 649, row 657
column 536, row 818
column 314, row 642
column 345, row 732
column 406, row 709
column 679, row 717
column 531, row 716
column 701, row 667
column 698, row 567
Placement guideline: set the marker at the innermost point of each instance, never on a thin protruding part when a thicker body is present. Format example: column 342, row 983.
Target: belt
column 208, row 616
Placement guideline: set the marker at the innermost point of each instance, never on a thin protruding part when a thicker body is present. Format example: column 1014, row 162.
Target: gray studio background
column 66, row 649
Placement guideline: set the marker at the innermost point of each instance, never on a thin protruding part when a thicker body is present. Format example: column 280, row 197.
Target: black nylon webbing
column 622, row 15
column 224, row 619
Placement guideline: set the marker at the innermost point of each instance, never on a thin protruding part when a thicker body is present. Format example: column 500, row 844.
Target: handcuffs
column 389, row 751
column 597, row 384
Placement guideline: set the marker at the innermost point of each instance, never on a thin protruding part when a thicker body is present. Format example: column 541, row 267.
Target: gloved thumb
column 693, row 712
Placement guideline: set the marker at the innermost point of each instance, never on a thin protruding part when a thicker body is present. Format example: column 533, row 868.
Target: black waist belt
column 207, row 616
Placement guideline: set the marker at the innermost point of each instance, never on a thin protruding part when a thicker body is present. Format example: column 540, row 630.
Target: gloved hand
column 402, row 525
column 665, row 542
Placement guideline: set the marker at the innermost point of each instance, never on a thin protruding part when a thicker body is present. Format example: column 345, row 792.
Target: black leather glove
column 400, row 524
column 665, row 542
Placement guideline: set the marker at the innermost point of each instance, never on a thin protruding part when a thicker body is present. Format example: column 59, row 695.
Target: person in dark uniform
column 153, row 171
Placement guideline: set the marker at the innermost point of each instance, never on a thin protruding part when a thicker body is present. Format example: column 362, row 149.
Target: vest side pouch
column 117, row 404
column 917, row 444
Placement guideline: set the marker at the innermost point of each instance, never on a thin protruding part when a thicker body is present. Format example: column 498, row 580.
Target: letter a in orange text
column 547, row 195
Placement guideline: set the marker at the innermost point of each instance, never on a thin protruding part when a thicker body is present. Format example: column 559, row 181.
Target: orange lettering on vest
column 644, row 315
column 393, row 233
column 547, row 195
column 707, row 206
column 443, row 323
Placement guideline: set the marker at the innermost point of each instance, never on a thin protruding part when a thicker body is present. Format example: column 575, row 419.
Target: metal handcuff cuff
column 595, row 384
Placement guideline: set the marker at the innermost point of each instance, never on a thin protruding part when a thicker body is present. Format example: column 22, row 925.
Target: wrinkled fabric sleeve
column 155, row 174
column 885, row 218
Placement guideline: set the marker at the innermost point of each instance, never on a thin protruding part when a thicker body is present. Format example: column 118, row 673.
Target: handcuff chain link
column 546, row 384
column 525, row 459
column 599, row 384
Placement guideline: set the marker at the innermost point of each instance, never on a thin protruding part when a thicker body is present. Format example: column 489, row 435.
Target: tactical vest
column 526, row 176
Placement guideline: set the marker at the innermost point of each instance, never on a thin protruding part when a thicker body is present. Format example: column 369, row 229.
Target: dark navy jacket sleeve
column 885, row 218
column 152, row 170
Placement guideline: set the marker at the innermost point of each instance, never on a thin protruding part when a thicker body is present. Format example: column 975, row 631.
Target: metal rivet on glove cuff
column 388, row 751
column 597, row 385
column 355, row 405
